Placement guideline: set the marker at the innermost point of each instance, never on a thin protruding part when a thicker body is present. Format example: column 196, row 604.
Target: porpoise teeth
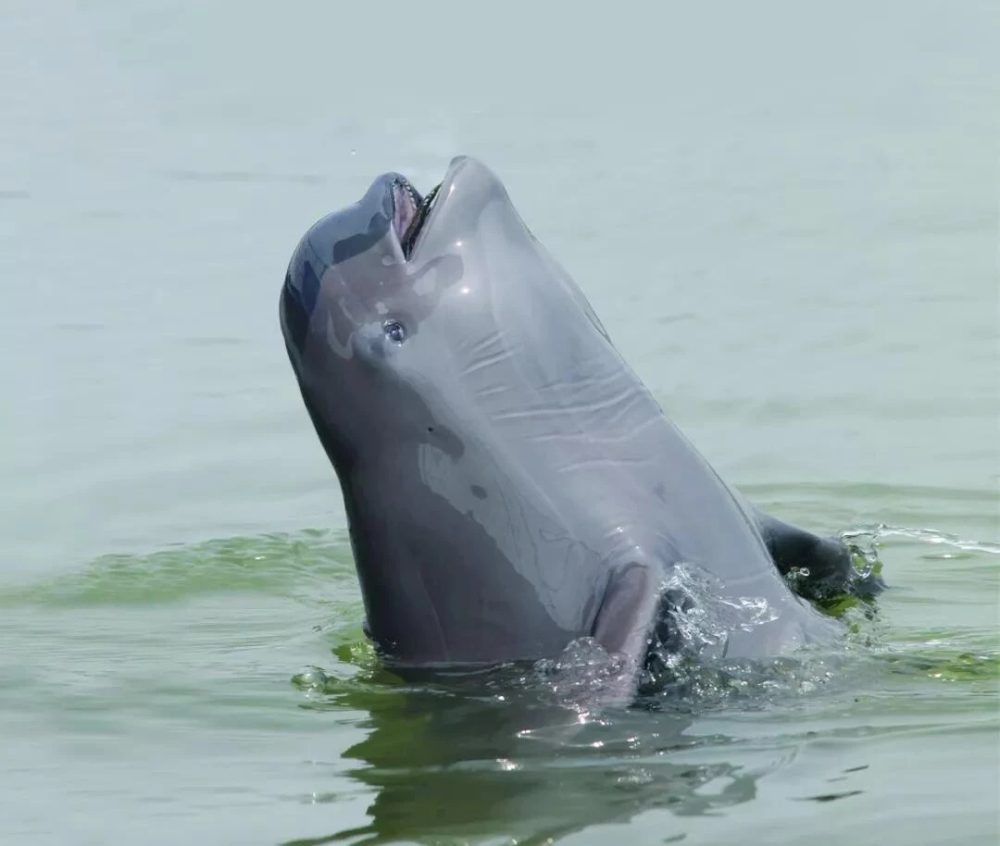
column 405, row 206
column 423, row 208
column 413, row 194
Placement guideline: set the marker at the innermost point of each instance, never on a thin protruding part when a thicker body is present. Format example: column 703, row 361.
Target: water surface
column 787, row 218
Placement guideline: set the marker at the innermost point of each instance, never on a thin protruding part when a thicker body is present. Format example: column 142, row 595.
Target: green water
column 787, row 218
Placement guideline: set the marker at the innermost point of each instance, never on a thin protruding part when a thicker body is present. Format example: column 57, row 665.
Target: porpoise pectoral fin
column 628, row 611
column 828, row 560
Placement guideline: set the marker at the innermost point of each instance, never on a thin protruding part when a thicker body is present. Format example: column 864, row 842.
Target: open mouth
column 410, row 211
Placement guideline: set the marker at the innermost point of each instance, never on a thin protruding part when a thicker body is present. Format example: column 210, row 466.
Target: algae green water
column 787, row 218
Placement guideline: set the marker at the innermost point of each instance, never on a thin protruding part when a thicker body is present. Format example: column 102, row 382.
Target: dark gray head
column 428, row 336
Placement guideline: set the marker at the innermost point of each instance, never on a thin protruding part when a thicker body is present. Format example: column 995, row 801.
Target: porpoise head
column 428, row 335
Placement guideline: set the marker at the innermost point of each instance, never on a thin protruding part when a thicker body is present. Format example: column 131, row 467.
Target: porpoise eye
column 394, row 331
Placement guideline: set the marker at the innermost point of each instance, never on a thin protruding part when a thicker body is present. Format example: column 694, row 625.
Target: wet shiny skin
column 510, row 483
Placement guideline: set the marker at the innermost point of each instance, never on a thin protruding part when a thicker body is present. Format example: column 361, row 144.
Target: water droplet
column 394, row 331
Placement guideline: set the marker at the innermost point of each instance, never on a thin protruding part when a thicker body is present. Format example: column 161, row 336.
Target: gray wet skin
column 510, row 483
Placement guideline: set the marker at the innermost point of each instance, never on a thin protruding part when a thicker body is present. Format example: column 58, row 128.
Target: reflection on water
column 514, row 752
column 525, row 751
column 447, row 763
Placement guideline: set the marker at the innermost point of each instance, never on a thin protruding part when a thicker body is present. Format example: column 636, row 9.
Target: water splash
column 583, row 674
column 930, row 536
column 863, row 584
column 698, row 616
